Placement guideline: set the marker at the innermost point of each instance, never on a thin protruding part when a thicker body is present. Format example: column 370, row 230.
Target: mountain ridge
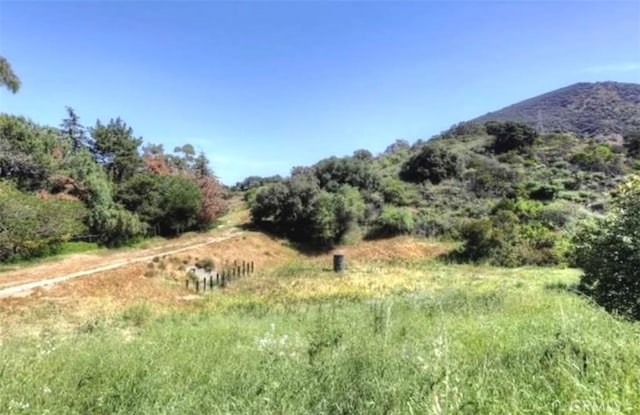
column 585, row 108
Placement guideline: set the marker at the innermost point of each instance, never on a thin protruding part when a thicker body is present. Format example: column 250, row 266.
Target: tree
column 510, row 135
column 180, row 201
column 7, row 77
column 141, row 194
column 334, row 214
column 393, row 221
column 73, row 131
column 27, row 152
column 608, row 251
column 357, row 172
column 116, row 148
column 431, row 163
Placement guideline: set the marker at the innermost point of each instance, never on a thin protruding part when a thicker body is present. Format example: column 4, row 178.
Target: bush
column 489, row 240
column 608, row 251
column 487, row 177
column 397, row 193
column 510, row 135
column 393, row 221
column 33, row 227
column 334, row 214
column 513, row 236
column 433, row 164
column 599, row 158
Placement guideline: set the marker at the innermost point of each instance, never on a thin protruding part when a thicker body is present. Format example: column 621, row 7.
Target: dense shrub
column 393, row 221
column 486, row 177
column 334, row 214
column 513, row 235
column 433, row 164
column 353, row 171
column 599, row 158
column 608, row 251
column 397, row 192
column 510, row 135
column 31, row 226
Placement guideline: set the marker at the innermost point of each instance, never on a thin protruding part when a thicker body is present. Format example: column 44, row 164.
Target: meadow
column 392, row 334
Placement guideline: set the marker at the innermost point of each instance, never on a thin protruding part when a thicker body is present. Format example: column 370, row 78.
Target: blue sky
column 261, row 87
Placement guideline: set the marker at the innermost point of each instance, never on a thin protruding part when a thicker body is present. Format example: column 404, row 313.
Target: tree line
column 98, row 183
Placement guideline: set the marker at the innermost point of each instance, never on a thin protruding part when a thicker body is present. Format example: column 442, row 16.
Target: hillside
column 511, row 194
column 600, row 108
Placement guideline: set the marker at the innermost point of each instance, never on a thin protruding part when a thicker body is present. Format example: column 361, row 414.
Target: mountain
column 591, row 109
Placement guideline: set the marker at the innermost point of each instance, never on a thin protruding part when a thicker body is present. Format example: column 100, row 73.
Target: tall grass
column 493, row 349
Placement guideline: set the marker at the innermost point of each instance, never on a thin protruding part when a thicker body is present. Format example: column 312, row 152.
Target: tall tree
column 116, row 148
column 8, row 78
column 73, row 131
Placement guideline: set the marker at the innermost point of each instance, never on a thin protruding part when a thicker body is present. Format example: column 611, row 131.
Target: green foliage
column 608, row 251
column 465, row 340
column 354, row 171
column 32, row 227
column 142, row 194
column 433, row 164
column 510, row 135
column 115, row 226
column 515, row 234
column 598, row 157
column 393, row 221
column 8, row 78
column 72, row 131
column 180, row 202
column 299, row 209
column 486, row 177
column 543, row 192
column 396, row 192
column 116, row 148
column 335, row 214
column 27, row 152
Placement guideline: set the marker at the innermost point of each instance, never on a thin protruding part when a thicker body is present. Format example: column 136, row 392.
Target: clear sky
column 263, row 86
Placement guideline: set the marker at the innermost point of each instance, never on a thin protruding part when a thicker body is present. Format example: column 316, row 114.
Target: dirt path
column 81, row 265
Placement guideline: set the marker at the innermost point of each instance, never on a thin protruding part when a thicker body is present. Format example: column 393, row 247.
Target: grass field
column 393, row 334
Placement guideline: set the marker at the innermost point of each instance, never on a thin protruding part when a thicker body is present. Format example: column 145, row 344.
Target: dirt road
column 81, row 265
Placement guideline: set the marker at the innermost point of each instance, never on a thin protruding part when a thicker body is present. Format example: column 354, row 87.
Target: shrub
column 487, row 177
column 608, row 251
column 489, row 240
column 510, row 135
column 433, row 164
column 393, row 221
column 512, row 236
column 599, row 158
column 396, row 192
column 32, row 227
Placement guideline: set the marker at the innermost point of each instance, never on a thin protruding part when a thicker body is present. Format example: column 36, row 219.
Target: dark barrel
column 338, row 262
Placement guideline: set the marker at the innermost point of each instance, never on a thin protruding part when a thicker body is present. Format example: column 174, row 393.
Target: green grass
column 66, row 249
column 468, row 340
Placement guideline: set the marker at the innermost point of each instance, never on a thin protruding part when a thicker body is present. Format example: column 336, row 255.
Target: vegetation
column 586, row 109
column 511, row 196
column 96, row 184
column 608, row 250
column 8, row 78
column 389, row 336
